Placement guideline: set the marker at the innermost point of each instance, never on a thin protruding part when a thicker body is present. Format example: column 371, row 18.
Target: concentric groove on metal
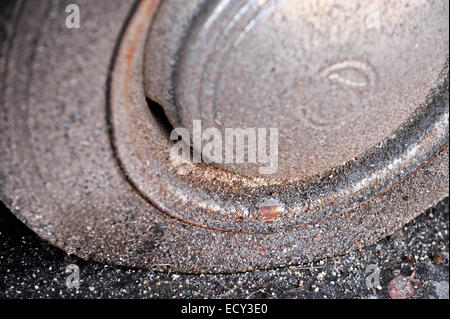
column 220, row 200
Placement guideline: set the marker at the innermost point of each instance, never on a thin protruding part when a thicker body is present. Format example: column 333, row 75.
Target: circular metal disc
column 86, row 162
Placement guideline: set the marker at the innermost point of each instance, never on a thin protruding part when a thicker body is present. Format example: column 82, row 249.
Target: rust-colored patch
column 437, row 259
column 270, row 213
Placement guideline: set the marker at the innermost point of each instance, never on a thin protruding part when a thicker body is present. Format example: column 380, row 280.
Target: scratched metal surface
column 84, row 158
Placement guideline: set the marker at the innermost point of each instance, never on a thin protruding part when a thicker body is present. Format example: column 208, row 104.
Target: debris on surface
column 403, row 287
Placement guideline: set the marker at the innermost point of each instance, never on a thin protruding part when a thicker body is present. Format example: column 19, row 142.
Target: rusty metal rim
column 133, row 154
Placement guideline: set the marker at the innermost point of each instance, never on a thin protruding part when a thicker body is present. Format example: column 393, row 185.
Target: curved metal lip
column 224, row 198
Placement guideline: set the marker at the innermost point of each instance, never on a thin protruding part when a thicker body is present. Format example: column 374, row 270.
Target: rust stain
column 437, row 259
column 270, row 213
column 270, row 210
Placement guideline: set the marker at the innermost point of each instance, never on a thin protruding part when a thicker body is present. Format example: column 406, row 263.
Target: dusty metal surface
column 334, row 78
column 85, row 161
